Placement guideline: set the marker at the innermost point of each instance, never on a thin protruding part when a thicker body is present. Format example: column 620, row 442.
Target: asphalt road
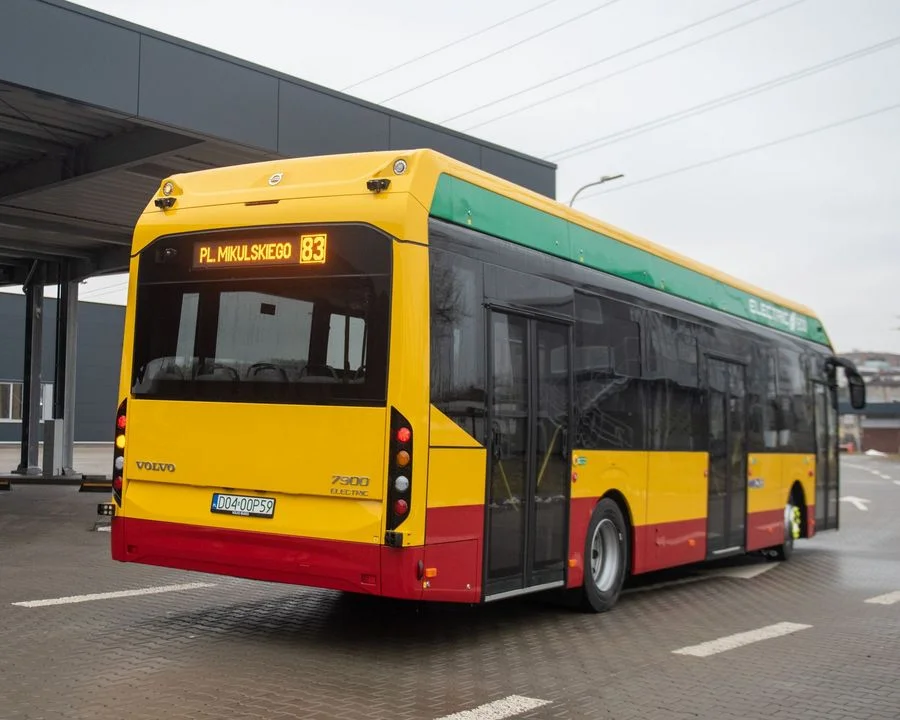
column 817, row 637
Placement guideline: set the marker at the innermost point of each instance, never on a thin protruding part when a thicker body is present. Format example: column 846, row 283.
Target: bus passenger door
column 530, row 404
column 827, row 490
column 727, row 477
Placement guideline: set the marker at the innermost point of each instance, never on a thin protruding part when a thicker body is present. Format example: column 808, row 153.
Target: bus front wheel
column 605, row 557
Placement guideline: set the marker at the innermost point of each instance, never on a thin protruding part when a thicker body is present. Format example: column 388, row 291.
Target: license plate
column 243, row 505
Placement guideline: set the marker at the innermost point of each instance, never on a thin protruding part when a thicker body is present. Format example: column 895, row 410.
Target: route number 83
column 312, row 249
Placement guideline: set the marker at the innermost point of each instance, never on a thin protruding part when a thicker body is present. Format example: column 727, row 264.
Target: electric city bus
column 395, row 374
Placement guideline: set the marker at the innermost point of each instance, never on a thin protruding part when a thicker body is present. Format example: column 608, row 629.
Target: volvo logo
column 276, row 178
column 155, row 467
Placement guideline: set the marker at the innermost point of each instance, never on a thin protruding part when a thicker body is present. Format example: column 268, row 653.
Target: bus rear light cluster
column 399, row 477
column 118, row 473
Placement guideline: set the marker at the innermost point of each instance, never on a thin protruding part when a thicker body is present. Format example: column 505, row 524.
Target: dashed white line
column 112, row 595
column 507, row 707
column 730, row 642
column 896, row 482
column 883, row 475
column 887, row 599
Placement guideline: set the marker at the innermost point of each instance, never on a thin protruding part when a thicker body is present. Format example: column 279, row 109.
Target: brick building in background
column 877, row 426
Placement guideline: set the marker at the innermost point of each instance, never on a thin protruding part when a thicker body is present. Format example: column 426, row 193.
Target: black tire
column 607, row 521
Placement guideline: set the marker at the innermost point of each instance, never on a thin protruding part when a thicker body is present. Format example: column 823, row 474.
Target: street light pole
column 604, row 179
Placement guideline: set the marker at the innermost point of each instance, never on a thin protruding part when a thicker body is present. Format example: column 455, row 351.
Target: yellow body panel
column 677, row 487
column 291, row 449
column 298, row 515
column 456, row 477
column 408, row 381
column 797, row 467
column 599, row 471
column 323, row 486
column 765, row 468
column 446, row 433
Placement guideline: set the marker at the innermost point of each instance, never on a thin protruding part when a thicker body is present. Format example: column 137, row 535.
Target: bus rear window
column 313, row 333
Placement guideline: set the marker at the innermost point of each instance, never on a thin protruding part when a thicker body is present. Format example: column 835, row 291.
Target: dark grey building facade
column 97, row 363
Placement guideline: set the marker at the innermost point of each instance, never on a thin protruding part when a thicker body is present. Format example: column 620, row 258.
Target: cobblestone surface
column 256, row 650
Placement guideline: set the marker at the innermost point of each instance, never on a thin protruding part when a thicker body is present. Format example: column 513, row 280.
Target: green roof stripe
column 463, row 203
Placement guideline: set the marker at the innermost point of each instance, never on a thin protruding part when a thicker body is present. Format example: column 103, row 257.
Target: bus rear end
column 255, row 437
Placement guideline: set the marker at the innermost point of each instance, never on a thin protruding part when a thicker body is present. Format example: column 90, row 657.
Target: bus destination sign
column 305, row 250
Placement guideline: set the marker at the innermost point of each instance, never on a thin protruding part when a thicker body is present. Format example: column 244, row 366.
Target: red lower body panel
column 765, row 529
column 810, row 520
column 668, row 545
column 580, row 510
column 353, row 567
column 453, row 553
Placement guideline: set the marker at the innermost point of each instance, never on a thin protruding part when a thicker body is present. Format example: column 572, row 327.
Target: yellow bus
column 392, row 373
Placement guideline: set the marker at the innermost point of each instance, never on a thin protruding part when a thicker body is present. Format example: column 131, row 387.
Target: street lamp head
column 604, row 179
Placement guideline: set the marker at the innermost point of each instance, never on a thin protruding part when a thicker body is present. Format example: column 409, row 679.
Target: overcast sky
column 814, row 218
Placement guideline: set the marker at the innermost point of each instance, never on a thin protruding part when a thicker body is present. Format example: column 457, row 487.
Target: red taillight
column 119, row 453
column 400, row 478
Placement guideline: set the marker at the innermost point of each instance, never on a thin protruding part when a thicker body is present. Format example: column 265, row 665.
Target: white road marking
column 507, row 707
column 896, row 482
column 111, row 595
column 882, row 475
column 860, row 503
column 730, row 642
column 888, row 599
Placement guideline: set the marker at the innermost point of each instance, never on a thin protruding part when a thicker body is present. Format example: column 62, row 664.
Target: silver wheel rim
column 792, row 522
column 605, row 555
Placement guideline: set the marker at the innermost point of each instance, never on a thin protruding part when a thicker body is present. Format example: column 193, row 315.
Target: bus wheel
column 606, row 557
column 793, row 523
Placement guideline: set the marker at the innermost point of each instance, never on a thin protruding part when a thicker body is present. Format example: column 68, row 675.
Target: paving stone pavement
column 241, row 649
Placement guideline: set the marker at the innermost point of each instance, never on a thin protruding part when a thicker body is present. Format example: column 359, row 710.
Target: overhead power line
column 620, row 53
column 746, row 151
column 722, row 101
column 451, row 44
column 502, row 50
column 642, row 63
column 102, row 291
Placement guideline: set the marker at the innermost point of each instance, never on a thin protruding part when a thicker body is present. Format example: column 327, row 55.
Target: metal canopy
column 94, row 112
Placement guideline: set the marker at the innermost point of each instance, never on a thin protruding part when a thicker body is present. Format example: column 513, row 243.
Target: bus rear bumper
column 331, row 564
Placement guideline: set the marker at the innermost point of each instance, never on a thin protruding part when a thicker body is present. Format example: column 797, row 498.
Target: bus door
column 727, row 477
column 827, row 479
column 530, row 406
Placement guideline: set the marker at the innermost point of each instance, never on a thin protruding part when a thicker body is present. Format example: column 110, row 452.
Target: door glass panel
column 821, row 422
column 737, row 456
column 718, row 456
column 727, row 519
column 550, row 456
column 833, row 469
column 509, row 447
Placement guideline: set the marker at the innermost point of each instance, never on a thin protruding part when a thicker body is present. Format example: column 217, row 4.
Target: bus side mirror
column 857, row 390
column 855, row 382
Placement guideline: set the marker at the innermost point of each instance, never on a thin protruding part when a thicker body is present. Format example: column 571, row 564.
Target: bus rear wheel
column 793, row 523
column 605, row 557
